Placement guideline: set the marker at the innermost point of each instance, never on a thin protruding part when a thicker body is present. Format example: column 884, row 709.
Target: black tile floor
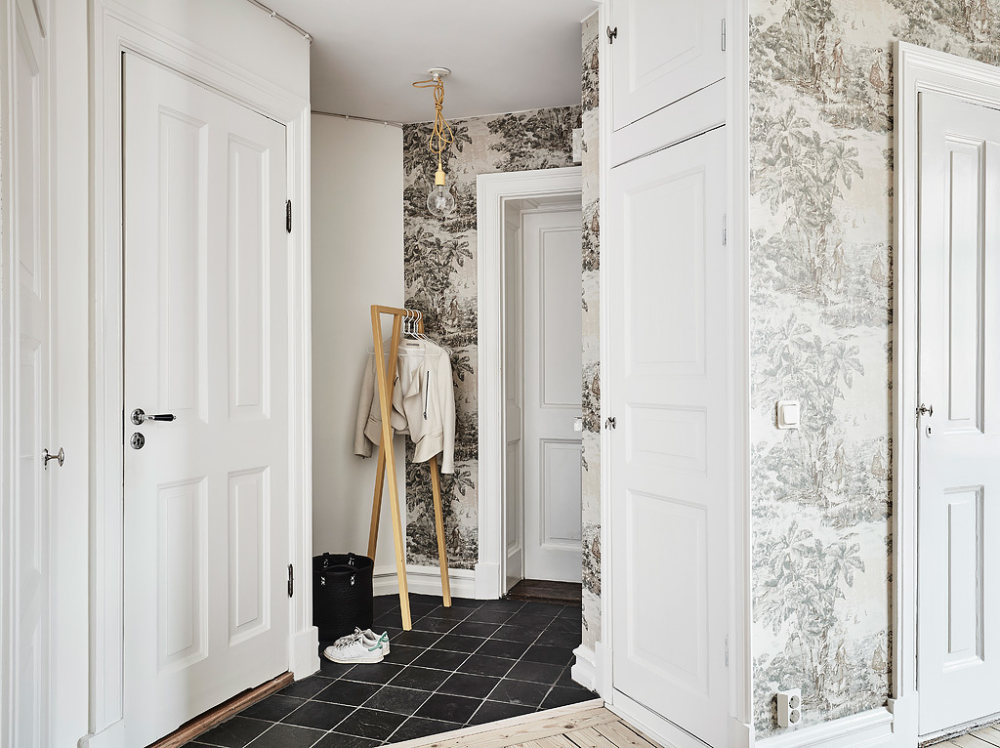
column 472, row 663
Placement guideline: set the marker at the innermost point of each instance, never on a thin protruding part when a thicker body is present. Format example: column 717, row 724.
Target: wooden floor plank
column 969, row 741
column 990, row 735
column 590, row 738
column 622, row 736
column 554, row 741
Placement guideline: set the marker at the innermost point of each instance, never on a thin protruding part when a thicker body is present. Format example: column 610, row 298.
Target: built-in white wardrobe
column 674, row 369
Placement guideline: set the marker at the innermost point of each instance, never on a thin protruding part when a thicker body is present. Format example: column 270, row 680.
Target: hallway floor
column 984, row 737
column 476, row 662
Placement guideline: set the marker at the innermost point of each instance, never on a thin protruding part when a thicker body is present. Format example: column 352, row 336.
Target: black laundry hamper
column 342, row 594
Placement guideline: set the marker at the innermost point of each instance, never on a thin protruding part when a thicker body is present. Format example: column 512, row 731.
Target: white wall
column 357, row 261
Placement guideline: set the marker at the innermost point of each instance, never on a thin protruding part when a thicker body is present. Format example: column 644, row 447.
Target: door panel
column 552, row 396
column 31, row 416
column 664, row 51
column 206, row 536
column 958, row 566
column 672, row 457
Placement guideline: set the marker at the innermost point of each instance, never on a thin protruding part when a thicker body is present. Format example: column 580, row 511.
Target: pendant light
column 440, row 201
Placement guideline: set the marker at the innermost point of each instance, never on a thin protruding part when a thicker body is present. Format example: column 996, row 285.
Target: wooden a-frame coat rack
column 387, row 463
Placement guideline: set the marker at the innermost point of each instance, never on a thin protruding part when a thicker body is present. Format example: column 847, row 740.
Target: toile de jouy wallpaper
column 591, row 339
column 440, row 280
column 821, row 299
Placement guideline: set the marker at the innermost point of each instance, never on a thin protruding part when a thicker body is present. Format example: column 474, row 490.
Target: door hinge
column 612, row 34
column 288, row 216
column 291, row 580
column 723, row 34
column 611, row 423
column 725, row 230
column 727, row 651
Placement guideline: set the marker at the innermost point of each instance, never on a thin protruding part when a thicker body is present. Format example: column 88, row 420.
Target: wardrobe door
column 662, row 51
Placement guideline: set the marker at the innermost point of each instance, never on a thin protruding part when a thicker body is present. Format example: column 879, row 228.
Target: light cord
column 442, row 135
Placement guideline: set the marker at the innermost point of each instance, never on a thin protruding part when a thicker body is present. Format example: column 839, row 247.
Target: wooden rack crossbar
column 387, row 463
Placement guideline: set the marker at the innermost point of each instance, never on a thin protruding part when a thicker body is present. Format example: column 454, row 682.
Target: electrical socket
column 789, row 707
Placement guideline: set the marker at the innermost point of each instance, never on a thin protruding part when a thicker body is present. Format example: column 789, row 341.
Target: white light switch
column 578, row 425
column 788, row 413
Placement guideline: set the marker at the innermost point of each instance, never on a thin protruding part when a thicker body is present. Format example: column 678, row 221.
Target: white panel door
column 671, row 296
column 664, row 50
column 553, row 368
column 27, row 664
column 206, row 506
column 958, row 566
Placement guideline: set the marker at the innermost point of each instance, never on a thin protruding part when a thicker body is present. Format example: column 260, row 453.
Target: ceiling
column 505, row 56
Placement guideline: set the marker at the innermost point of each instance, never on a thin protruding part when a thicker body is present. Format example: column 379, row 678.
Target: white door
column 30, row 364
column 671, row 294
column 663, row 51
column 958, row 566
column 553, row 368
column 206, row 505
column 513, row 395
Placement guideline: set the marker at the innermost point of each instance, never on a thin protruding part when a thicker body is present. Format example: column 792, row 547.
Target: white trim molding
column 493, row 191
column 584, row 670
column 869, row 729
column 115, row 29
column 424, row 580
column 917, row 70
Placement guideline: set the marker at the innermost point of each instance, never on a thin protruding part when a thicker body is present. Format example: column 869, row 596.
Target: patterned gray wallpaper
column 591, row 339
column 821, row 331
column 440, row 279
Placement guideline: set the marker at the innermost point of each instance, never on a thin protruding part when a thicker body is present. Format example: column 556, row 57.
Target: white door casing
column 513, row 389
column 25, row 717
column 958, row 565
column 552, row 395
column 205, row 321
column 671, row 290
column 663, row 50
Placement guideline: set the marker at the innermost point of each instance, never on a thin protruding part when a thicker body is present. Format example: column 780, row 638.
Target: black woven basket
column 342, row 594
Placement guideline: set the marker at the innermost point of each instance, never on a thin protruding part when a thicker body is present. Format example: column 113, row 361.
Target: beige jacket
column 423, row 404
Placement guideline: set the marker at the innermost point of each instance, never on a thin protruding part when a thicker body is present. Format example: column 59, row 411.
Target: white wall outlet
column 788, row 414
column 577, row 145
column 789, row 707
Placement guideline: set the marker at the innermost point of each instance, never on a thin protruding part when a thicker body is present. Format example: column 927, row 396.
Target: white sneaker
column 355, row 650
column 370, row 638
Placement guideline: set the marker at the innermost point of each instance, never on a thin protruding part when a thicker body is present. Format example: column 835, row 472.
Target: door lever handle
column 139, row 417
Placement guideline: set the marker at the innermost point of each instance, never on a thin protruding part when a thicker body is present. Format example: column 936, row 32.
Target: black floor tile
column 475, row 628
column 561, row 696
column 511, row 606
column 567, row 625
column 545, row 609
column 348, row 692
column 532, row 622
column 549, row 655
column 330, row 669
column 441, row 659
column 421, row 678
column 450, row 614
column 550, row 638
column 368, row 723
column 318, row 714
column 402, row 655
column 414, row 639
column 536, row 672
column 419, row 727
column 465, row 602
column 573, row 612
column 515, row 634
column 491, row 616
column 499, row 648
column 397, row 700
column 235, row 733
column 455, row 643
column 449, row 708
column 463, row 684
column 287, row 736
column 494, row 711
column 436, row 625
column 273, row 708
column 340, row 740
column 520, row 692
column 479, row 664
column 380, row 672
column 307, row 687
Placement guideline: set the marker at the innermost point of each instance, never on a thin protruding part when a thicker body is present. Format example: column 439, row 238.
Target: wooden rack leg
column 376, row 503
column 439, row 526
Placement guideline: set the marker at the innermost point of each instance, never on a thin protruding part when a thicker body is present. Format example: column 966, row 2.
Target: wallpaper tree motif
column 440, row 278
column 821, row 331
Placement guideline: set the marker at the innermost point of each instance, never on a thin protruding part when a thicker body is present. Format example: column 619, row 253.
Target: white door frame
column 116, row 29
column 493, row 191
column 917, row 70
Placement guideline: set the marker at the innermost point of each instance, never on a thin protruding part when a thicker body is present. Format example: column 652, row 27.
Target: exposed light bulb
column 440, row 201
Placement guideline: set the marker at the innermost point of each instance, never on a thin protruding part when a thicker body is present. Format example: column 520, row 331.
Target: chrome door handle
column 925, row 410
column 59, row 456
column 139, row 417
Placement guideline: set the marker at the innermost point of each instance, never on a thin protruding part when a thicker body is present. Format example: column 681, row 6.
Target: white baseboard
column 112, row 736
column 488, row 583
column 584, row 670
column 425, row 580
column 871, row 729
column 303, row 655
